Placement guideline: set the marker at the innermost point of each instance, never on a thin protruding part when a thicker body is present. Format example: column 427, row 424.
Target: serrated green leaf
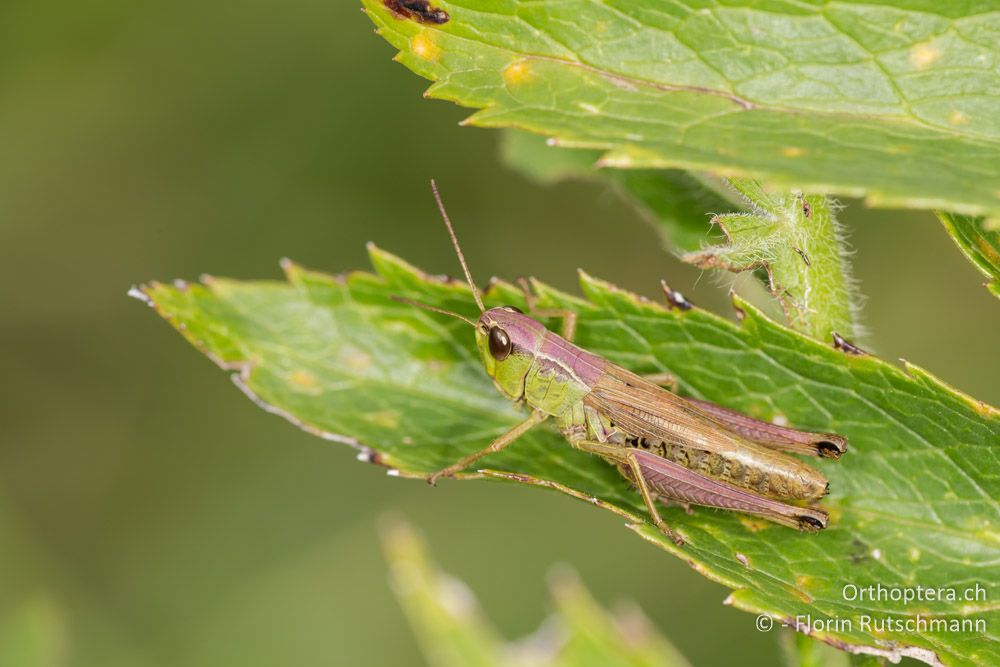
column 894, row 101
column 914, row 501
column 979, row 240
column 445, row 616
column 454, row 632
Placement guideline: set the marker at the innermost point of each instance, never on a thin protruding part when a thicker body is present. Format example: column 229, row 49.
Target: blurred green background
column 149, row 513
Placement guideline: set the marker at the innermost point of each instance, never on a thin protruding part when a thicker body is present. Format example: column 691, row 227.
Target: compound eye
column 499, row 343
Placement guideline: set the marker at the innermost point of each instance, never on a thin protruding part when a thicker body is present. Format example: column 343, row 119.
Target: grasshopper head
column 508, row 341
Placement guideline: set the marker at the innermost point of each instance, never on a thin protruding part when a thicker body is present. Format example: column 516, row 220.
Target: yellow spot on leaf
column 438, row 366
column 617, row 160
column 753, row 525
column 801, row 582
column 793, row 151
column 358, row 361
column 424, row 46
column 957, row 117
column 988, row 251
column 516, row 72
column 914, row 554
column 924, row 55
column 384, row 418
column 304, row 382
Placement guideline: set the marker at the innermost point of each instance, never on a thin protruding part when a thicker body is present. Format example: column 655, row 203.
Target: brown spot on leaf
column 369, row 455
column 419, row 10
column 858, row 552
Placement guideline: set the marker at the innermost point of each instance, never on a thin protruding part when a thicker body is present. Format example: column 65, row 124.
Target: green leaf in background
column 793, row 238
column 34, row 634
column 453, row 632
column 674, row 202
column 892, row 101
column 914, row 501
column 798, row 650
column 979, row 240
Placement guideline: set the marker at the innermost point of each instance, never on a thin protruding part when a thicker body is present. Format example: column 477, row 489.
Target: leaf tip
column 380, row 258
column 139, row 292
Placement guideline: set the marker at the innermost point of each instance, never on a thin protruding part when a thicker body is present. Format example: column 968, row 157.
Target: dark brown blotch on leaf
column 419, row 10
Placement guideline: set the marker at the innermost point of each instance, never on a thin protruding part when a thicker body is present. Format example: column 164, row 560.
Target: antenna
column 411, row 302
column 458, row 249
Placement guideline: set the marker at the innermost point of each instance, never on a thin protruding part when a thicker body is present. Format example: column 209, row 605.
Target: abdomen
column 757, row 469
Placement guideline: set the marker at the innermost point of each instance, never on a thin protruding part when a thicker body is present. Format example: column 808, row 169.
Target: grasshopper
column 672, row 449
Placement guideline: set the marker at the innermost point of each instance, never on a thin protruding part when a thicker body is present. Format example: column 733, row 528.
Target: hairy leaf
column 895, row 101
column 913, row 502
column 979, row 240
column 797, row 240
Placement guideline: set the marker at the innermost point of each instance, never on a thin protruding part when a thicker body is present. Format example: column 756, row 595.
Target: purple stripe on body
column 586, row 366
